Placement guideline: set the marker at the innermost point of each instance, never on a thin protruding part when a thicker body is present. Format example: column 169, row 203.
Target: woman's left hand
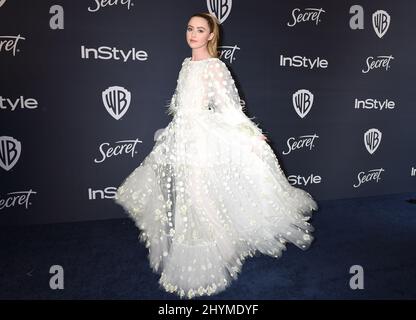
column 263, row 137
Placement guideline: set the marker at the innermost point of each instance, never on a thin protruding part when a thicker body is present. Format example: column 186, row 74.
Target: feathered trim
column 254, row 127
column 170, row 105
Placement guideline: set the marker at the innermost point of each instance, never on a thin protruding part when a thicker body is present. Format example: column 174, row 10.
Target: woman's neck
column 200, row 55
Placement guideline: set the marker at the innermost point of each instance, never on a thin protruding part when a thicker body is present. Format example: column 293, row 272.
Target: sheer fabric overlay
column 211, row 193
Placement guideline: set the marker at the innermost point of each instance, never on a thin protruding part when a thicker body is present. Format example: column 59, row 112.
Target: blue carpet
column 105, row 260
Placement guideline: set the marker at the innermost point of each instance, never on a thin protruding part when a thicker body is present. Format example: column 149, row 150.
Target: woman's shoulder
column 217, row 65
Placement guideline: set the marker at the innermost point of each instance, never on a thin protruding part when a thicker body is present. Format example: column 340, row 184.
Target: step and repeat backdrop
column 84, row 88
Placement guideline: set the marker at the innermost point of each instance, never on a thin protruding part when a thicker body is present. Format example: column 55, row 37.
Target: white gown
column 211, row 192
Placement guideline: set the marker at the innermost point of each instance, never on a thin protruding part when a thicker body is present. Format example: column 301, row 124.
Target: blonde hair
column 213, row 25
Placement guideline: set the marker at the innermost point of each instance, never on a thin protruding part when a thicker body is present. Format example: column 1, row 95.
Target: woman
column 211, row 192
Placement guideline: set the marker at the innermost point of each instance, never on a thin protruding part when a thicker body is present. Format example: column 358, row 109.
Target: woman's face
column 197, row 33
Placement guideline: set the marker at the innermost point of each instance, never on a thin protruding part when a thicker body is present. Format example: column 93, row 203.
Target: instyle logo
column 99, row 4
column 372, row 139
column 413, row 172
column 112, row 53
column 308, row 15
column 116, row 101
column 9, row 44
column 302, row 102
column 374, row 104
column 302, row 142
column 17, row 198
column 220, row 8
column 121, row 148
column 297, row 180
column 10, row 150
column 106, row 193
column 381, row 22
column 371, row 176
column 228, row 52
column 303, row 62
column 19, row 103
column 379, row 62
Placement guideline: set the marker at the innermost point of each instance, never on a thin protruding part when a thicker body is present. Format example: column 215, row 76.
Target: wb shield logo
column 302, row 102
column 372, row 139
column 10, row 150
column 117, row 101
column 220, row 8
column 381, row 22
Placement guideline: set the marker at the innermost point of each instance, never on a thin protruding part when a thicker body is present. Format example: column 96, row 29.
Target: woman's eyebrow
column 196, row 27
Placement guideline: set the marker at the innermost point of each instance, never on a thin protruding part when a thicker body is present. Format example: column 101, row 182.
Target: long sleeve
column 223, row 94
